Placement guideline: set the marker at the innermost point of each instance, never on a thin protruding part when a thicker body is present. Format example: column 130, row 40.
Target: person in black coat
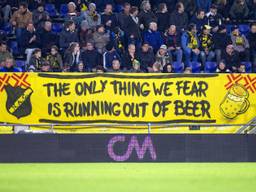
column 147, row 57
column 91, row 57
column 132, row 26
column 232, row 59
column 108, row 18
column 130, row 57
column 146, row 16
column 162, row 17
column 252, row 41
column 179, row 17
column 46, row 38
column 122, row 17
column 68, row 35
column 220, row 40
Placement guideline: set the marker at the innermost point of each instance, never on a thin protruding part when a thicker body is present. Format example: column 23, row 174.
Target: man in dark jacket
column 162, row 17
column 146, row 16
column 39, row 16
column 199, row 19
column 221, row 39
column 147, row 57
column 231, row 57
column 108, row 18
column 179, row 17
column 46, row 37
column 214, row 18
column 91, row 57
column 122, row 17
column 68, row 35
column 252, row 42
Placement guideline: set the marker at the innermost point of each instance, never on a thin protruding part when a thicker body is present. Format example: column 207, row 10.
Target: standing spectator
column 109, row 56
column 46, row 37
column 130, row 57
column 29, row 41
column 153, row 36
column 190, row 44
column 122, row 17
column 220, row 39
column 189, row 6
column 239, row 10
column 199, row 19
column 100, row 39
column 203, row 4
column 68, row 35
column 147, row 57
column 72, row 57
column 101, row 4
column 108, row 18
column 206, row 45
column 163, row 57
column 231, row 58
column 252, row 42
column 92, row 17
column 55, row 59
column 162, row 17
column 240, row 44
column 4, row 53
column 117, row 37
column 173, row 42
column 146, row 16
column 214, row 18
column 36, row 60
column 20, row 19
column 39, row 16
column 179, row 17
column 9, row 66
column 132, row 27
column 6, row 10
column 223, row 8
column 91, row 57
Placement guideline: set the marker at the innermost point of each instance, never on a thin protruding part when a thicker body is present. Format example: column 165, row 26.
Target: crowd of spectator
column 169, row 36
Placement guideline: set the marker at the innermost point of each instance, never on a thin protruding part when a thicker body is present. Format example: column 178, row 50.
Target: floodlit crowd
column 160, row 36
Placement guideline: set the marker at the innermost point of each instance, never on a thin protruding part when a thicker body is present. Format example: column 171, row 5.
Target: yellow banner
column 40, row 98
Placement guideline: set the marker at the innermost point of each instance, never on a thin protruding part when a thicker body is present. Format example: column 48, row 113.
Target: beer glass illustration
column 235, row 102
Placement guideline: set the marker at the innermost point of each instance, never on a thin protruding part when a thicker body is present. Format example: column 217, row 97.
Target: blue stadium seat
column 178, row 67
column 14, row 47
column 195, row 66
column 229, row 27
column 57, row 27
column 63, row 10
column 50, row 8
column 248, row 66
column 21, row 64
column 210, row 67
column 244, row 28
column 8, row 28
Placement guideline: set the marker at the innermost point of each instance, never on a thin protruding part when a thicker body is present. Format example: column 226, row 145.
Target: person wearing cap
column 92, row 17
column 163, row 57
column 190, row 44
column 206, row 45
column 147, row 57
column 172, row 39
column 109, row 55
column 153, row 36
column 68, row 35
column 231, row 58
column 214, row 18
column 220, row 40
column 239, row 10
column 240, row 44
